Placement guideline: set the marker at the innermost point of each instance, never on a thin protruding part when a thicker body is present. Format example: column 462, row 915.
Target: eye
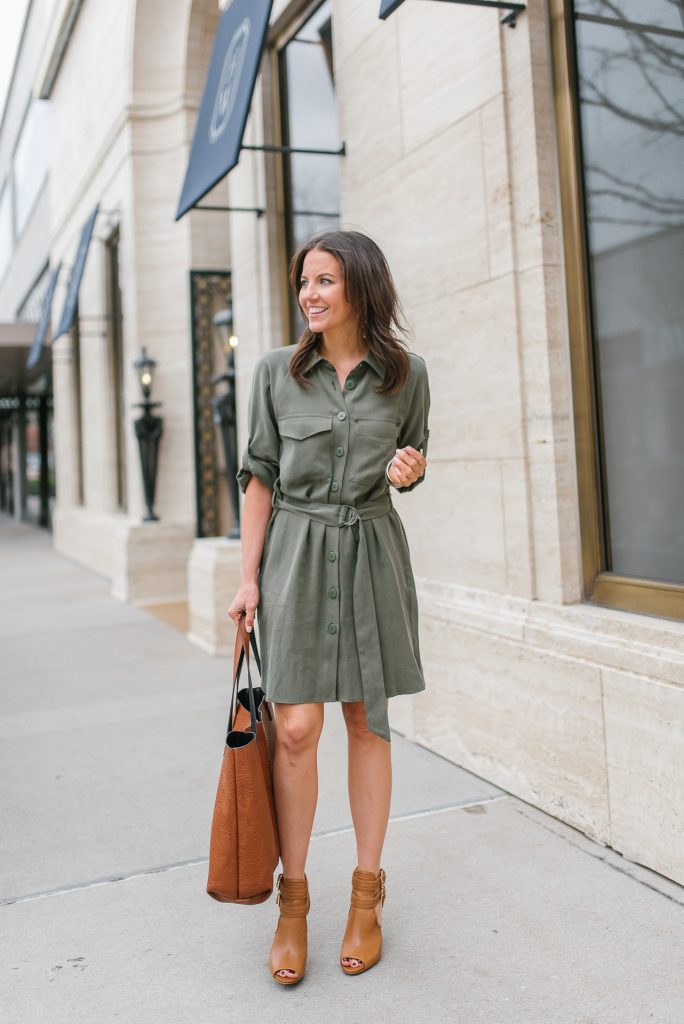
column 326, row 280
column 302, row 282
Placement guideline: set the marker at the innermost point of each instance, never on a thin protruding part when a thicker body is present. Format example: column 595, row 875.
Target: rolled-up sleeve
column 414, row 430
column 261, row 457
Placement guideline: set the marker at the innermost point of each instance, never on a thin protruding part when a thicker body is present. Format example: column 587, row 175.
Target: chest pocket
column 375, row 441
column 305, row 453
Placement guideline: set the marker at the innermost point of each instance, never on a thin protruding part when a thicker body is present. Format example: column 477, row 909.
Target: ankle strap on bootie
column 367, row 889
column 292, row 896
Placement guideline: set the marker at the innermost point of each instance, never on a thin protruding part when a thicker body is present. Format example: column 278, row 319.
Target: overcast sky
column 11, row 22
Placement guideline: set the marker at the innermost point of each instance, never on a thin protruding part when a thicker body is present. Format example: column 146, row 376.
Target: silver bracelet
column 387, row 477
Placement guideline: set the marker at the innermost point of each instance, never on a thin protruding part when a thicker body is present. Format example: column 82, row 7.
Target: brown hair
column 369, row 288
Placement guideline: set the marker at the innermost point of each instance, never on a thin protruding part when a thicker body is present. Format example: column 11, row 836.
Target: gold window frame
column 601, row 587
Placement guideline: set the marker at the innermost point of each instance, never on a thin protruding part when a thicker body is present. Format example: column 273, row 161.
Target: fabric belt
column 366, row 626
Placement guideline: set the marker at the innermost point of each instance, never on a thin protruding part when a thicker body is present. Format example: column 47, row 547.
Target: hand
column 407, row 466
column 245, row 601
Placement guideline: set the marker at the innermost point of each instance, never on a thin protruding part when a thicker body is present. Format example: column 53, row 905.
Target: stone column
column 66, row 425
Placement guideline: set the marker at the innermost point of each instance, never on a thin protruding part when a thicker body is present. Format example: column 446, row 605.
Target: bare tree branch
column 602, row 100
column 633, row 222
column 644, row 193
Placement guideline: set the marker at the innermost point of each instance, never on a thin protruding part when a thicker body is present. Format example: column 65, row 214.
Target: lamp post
column 148, row 430
column 223, row 406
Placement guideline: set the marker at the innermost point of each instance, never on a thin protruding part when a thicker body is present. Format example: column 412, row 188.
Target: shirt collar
column 372, row 360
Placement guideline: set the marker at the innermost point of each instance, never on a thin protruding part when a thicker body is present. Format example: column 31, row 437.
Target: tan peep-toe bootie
column 288, row 952
column 363, row 936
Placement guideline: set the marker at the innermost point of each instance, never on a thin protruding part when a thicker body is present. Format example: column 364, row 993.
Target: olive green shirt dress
column 337, row 615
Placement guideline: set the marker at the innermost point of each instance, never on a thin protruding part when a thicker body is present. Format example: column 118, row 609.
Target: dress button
column 334, row 486
column 331, row 556
column 350, row 385
column 339, row 450
column 341, row 415
column 332, row 628
column 332, row 591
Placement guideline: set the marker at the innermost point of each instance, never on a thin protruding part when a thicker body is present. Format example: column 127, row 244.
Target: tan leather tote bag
column 244, row 849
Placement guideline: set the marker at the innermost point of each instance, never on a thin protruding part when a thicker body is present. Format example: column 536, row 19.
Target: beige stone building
column 523, row 182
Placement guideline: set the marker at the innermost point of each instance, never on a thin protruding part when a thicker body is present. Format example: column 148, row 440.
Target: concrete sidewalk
column 112, row 730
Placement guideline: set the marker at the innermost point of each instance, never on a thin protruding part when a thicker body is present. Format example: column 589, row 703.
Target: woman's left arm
column 407, row 468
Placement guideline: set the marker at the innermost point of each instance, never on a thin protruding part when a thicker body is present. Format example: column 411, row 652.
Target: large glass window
column 630, row 83
column 31, row 159
column 309, row 121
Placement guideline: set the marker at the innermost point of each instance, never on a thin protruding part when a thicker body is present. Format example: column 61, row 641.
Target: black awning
column 388, row 7
column 227, row 97
column 44, row 322
column 69, row 311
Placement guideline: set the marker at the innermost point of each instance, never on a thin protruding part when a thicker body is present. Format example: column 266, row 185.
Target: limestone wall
column 124, row 107
column 451, row 166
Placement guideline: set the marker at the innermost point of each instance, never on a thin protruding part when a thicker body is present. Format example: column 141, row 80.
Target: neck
column 341, row 344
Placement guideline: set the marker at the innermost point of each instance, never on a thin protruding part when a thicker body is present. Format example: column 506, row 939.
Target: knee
column 296, row 733
column 357, row 724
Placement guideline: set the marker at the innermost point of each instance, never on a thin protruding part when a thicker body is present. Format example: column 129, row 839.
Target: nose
column 307, row 293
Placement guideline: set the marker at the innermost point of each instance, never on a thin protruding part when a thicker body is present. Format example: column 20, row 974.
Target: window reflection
column 630, row 60
column 309, row 112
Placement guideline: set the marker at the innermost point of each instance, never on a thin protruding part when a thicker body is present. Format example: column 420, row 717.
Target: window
column 309, row 121
column 30, row 163
column 5, row 229
column 620, row 109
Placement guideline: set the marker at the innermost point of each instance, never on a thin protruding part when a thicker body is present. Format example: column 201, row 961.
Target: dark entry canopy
column 15, row 341
column 44, row 322
column 226, row 99
column 69, row 311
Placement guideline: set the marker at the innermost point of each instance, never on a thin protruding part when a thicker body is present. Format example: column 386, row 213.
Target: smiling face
column 322, row 296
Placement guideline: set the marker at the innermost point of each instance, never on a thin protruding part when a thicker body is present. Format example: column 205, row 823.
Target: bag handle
column 241, row 653
column 239, row 643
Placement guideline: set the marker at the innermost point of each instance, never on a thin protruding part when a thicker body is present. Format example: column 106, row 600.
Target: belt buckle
column 354, row 515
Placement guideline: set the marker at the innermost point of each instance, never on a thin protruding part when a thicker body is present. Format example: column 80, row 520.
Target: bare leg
column 370, row 790
column 295, row 783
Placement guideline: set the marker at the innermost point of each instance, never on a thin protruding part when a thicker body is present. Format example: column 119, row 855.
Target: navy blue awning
column 227, row 97
column 69, row 311
column 44, row 322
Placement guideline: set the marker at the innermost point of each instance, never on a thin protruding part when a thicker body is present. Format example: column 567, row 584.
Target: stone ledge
column 214, row 569
column 606, row 637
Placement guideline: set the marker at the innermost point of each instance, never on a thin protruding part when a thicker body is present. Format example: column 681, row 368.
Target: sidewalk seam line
column 162, row 869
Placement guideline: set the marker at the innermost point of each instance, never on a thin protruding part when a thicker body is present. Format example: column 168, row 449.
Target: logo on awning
column 227, row 97
column 229, row 82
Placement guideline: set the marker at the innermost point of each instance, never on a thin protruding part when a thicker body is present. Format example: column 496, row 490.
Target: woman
column 332, row 424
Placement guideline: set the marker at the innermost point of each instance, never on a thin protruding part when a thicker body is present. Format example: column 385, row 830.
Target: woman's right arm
column 256, row 512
